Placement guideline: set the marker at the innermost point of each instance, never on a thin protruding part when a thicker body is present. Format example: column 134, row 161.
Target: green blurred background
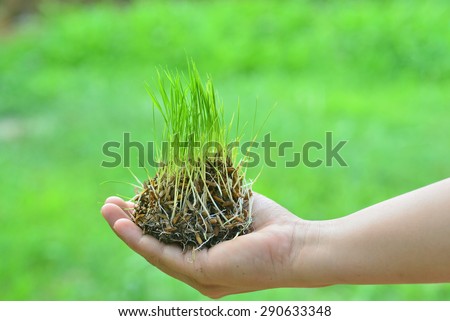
column 72, row 77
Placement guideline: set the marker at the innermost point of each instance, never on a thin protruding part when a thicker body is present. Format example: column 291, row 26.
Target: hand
column 266, row 258
column 401, row 240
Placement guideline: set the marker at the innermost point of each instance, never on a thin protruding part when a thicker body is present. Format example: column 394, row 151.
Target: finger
column 112, row 212
column 128, row 207
column 149, row 247
column 168, row 258
column 261, row 212
column 154, row 251
column 265, row 212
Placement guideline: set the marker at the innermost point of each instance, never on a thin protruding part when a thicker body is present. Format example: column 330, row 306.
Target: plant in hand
column 199, row 196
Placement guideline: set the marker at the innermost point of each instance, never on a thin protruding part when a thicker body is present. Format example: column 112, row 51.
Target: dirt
column 207, row 211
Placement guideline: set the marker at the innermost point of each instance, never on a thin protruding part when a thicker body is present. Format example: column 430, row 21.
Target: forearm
column 402, row 240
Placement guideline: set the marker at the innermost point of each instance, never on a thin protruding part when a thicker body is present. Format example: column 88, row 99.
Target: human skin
column 405, row 239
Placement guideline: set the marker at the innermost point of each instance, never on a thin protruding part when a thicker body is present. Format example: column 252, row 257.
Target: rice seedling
column 199, row 196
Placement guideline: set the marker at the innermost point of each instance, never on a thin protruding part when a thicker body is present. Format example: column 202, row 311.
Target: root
column 196, row 207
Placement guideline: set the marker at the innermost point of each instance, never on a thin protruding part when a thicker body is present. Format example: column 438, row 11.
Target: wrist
column 313, row 255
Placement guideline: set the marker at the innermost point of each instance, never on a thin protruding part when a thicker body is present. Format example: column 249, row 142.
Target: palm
column 241, row 264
